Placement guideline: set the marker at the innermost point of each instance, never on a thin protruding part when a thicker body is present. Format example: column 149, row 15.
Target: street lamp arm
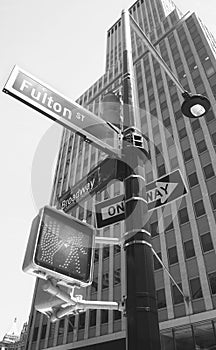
column 155, row 53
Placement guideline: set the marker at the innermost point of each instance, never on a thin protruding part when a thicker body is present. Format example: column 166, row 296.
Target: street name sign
column 160, row 192
column 97, row 179
column 110, row 211
column 46, row 100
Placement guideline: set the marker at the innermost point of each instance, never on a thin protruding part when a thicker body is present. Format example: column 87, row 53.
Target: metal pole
column 141, row 306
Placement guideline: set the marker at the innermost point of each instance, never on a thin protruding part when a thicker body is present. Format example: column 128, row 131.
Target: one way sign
column 158, row 193
column 165, row 190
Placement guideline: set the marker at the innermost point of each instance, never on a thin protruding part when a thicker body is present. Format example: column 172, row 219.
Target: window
column 178, row 115
column 117, row 249
column 35, row 334
column 214, row 138
column 116, row 315
column 199, row 208
column 105, row 252
column 183, row 216
column 92, row 321
column 94, row 286
column 117, row 276
column 209, row 116
column 71, row 320
column 157, row 264
column 195, row 125
column 189, row 249
column 154, row 229
column 43, row 331
column 195, row 286
column 174, row 163
column 212, row 281
column 206, row 242
column 167, row 122
column 81, row 321
column 104, row 316
column 201, row 147
column 96, row 255
column 61, row 326
column 182, row 133
column 213, row 200
column 193, row 179
column 105, row 280
column 161, row 170
column 88, row 216
column 169, row 227
column 187, row 155
column 177, row 296
column 51, row 331
column 172, row 255
column 81, row 213
column 208, row 171
column 161, row 298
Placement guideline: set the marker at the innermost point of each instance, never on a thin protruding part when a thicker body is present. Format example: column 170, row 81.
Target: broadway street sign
column 95, row 181
column 38, row 95
column 158, row 193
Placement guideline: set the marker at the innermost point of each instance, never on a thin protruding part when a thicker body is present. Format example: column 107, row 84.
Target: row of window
column 183, row 215
column 105, row 280
column 189, row 251
column 105, row 253
column 71, row 323
column 195, row 289
column 187, row 154
column 208, row 173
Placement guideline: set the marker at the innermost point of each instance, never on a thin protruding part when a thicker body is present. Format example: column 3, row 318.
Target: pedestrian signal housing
column 60, row 246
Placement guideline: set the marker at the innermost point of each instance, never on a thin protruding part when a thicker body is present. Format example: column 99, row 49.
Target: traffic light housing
column 60, row 246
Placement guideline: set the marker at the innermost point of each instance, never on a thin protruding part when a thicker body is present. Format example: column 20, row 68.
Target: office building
column 183, row 232
column 13, row 340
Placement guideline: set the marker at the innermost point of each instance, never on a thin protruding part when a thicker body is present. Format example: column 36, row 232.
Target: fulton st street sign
column 95, row 181
column 38, row 95
column 158, row 193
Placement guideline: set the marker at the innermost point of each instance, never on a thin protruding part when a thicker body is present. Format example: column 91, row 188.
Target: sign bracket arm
column 77, row 303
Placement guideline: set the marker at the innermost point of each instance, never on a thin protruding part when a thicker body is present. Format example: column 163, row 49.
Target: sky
column 63, row 44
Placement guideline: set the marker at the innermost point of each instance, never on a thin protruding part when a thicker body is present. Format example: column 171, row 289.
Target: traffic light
column 60, row 246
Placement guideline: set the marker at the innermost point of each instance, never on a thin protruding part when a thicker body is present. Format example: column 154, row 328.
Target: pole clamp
column 133, row 232
column 137, row 241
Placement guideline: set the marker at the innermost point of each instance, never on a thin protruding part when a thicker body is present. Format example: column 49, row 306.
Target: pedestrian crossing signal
column 60, row 246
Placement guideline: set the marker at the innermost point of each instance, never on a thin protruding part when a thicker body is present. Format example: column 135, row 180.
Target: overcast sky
column 63, row 44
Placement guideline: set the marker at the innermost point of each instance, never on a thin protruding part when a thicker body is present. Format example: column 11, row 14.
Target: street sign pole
column 141, row 306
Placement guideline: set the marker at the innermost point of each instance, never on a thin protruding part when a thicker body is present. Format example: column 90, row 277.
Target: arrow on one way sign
column 165, row 190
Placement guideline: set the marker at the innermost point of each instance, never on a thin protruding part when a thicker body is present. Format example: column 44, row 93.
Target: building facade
column 183, row 232
column 13, row 340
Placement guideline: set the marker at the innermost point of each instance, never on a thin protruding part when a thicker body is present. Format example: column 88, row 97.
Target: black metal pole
column 141, row 306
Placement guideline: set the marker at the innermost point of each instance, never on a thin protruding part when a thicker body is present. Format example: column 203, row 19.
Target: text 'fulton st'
column 46, row 98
